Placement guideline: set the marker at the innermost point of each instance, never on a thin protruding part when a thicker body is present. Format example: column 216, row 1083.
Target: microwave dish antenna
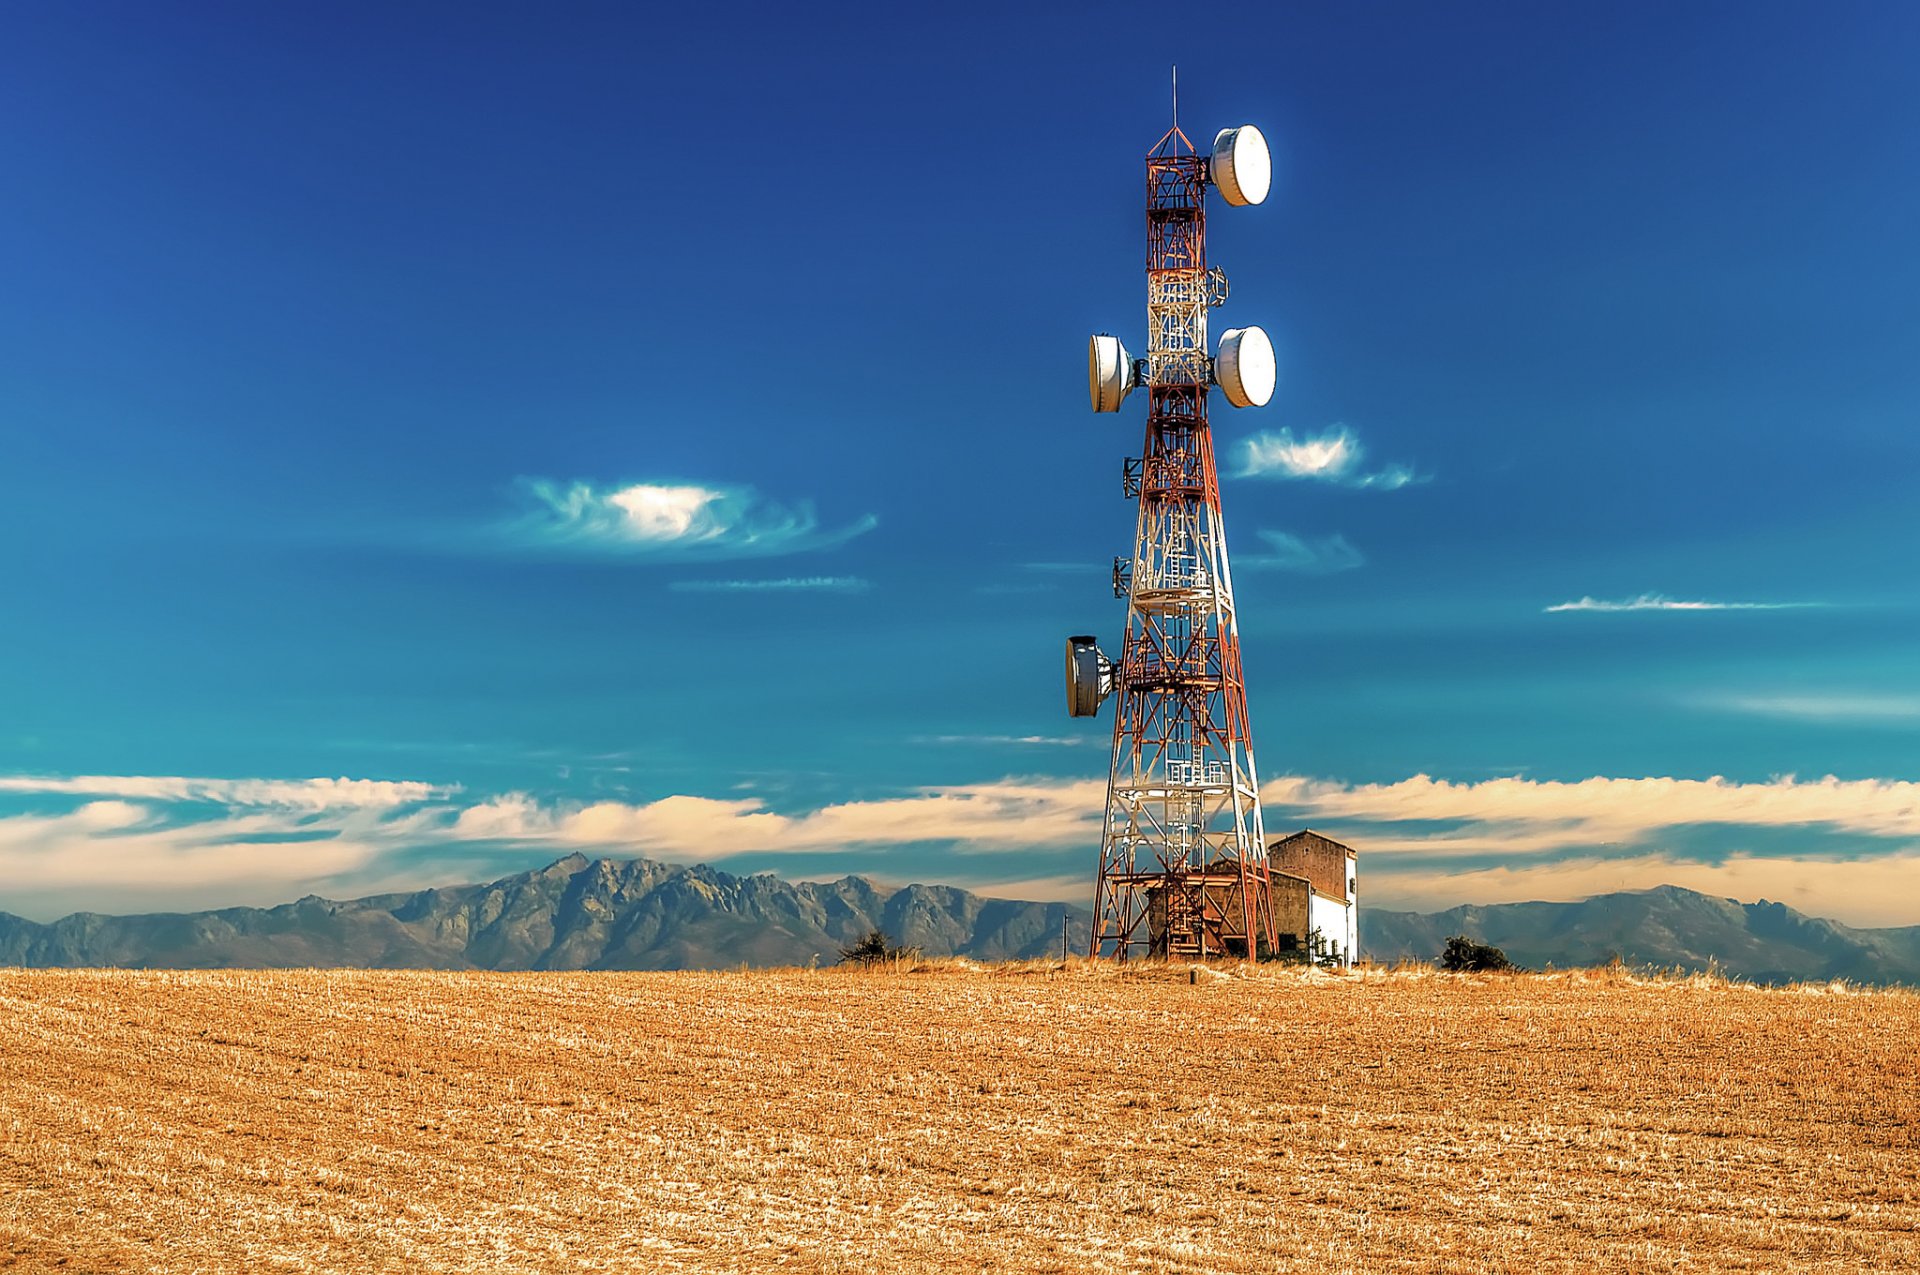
column 1089, row 676
column 1246, row 370
column 1110, row 373
column 1242, row 165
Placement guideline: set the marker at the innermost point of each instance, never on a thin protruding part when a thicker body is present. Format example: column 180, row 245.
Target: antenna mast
column 1183, row 857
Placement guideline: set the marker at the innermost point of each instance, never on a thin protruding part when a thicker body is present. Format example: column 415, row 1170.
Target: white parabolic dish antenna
column 1109, row 372
column 1246, row 368
column 1242, row 165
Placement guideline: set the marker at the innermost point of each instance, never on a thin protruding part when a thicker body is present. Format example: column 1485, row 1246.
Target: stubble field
column 952, row 1119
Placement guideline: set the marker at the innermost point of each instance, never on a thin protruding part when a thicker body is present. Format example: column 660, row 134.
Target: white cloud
column 291, row 794
column 1864, row 709
column 652, row 512
column 148, row 842
column 145, row 842
column 786, row 584
column 1523, row 816
column 1315, row 555
column 1569, row 840
column 271, row 840
column 122, row 856
column 673, row 521
column 1660, row 602
column 1009, row 814
column 1328, row 456
column 1335, row 456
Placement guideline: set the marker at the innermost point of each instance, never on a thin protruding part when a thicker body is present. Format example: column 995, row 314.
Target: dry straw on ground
column 953, row 1119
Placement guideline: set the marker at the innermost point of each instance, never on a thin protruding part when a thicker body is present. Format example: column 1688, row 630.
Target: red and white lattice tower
column 1183, row 864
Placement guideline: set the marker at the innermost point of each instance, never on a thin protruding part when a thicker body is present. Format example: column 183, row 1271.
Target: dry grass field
column 952, row 1119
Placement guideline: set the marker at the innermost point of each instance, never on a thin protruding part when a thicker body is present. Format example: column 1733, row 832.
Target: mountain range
column 587, row 914
column 576, row 914
column 1666, row 927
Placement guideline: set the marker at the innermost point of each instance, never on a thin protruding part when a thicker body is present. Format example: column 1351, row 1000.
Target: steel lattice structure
column 1183, row 865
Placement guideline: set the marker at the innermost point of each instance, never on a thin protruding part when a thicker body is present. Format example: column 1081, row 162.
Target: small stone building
column 1315, row 899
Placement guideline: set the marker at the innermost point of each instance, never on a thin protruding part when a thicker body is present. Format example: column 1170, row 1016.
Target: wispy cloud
column 1306, row 555
column 786, row 584
column 1335, row 456
column 1049, row 572
column 667, row 521
column 122, row 855
column 1435, row 844
column 267, row 841
column 1660, row 602
column 286, row 794
column 1852, row 708
column 154, row 842
column 1007, row 814
column 1526, row 816
column 1024, row 741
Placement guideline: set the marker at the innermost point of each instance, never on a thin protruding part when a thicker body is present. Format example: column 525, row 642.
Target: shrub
column 1315, row 951
column 1464, row 954
column 876, row 947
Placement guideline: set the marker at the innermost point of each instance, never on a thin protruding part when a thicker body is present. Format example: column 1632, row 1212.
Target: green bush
column 1464, row 954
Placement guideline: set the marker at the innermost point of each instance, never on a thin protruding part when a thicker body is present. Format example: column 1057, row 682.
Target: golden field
column 953, row 1118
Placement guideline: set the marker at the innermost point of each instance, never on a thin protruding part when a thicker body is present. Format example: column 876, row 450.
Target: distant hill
column 1665, row 926
column 587, row 914
column 577, row 914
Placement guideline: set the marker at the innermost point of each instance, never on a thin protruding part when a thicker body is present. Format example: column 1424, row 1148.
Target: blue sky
column 434, row 441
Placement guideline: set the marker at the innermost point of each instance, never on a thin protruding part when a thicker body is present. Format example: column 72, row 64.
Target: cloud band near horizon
column 1425, row 842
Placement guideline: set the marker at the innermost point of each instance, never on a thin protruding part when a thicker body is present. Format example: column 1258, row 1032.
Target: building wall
column 1292, row 909
column 1321, row 860
column 1336, row 922
column 1299, row 909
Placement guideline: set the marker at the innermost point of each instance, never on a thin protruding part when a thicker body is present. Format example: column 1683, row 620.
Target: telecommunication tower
column 1183, row 863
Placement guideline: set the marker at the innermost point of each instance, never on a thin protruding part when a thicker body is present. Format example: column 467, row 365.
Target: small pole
column 1063, row 938
column 1176, row 99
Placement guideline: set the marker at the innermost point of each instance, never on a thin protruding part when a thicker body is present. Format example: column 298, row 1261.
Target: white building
column 1316, row 898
